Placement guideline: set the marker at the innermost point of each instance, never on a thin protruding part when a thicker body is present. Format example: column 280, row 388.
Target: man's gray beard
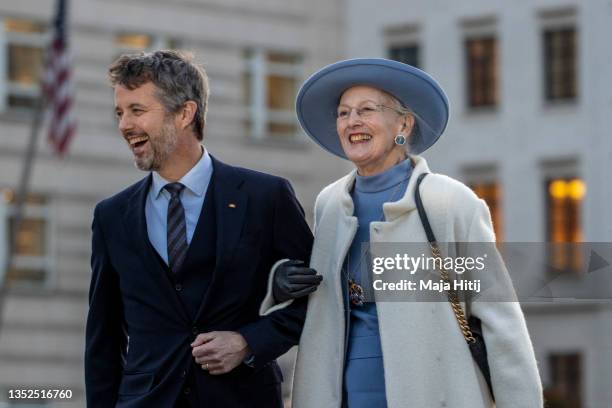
column 167, row 142
column 153, row 164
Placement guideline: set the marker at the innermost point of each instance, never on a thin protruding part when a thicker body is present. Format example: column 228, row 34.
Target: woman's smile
column 359, row 138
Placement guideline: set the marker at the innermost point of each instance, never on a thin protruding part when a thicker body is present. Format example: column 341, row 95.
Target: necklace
column 355, row 290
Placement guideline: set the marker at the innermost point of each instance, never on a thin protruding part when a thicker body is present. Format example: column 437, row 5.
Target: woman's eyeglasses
column 364, row 112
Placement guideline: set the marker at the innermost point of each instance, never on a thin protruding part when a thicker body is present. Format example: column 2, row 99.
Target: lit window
column 560, row 64
column 31, row 260
column 270, row 87
column 565, row 389
column 482, row 67
column 134, row 42
column 491, row 193
column 408, row 54
column 564, row 202
column 25, row 44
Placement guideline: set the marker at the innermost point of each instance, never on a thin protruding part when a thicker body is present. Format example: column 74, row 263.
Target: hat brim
column 318, row 99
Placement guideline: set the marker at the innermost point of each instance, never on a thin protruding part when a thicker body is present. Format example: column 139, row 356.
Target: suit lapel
column 134, row 219
column 135, row 225
column 230, row 208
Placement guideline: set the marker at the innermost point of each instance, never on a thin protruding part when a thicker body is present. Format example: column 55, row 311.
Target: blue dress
column 364, row 375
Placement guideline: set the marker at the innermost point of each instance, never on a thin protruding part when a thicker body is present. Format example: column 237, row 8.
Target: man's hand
column 293, row 280
column 219, row 352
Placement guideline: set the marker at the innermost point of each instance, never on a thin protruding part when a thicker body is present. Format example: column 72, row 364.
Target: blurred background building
column 256, row 55
column 530, row 95
column 529, row 88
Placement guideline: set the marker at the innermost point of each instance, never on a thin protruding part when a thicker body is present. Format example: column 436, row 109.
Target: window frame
column 7, row 38
column 45, row 262
column 568, row 93
column 572, row 251
column 489, row 83
column 413, row 47
column 562, row 360
column 157, row 42
column 475, row 28
column 256, row 74
column 559, row 20
column 402, row 37
column 565, row 168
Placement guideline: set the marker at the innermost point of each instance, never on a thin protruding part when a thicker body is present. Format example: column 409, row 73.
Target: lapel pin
column 231, row 205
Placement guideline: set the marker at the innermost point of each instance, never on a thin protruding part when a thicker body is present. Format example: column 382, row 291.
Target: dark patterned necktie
column 177, row 229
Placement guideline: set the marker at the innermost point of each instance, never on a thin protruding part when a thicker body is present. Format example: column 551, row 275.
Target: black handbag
column 472, row 327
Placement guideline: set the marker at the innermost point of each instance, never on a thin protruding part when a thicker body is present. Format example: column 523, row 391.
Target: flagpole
column 51, row 86
column 21, row 198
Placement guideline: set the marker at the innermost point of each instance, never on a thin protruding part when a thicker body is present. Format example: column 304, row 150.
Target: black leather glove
column 293, row 280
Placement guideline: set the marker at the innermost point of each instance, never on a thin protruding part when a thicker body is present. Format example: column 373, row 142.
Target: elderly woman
column 360, row 352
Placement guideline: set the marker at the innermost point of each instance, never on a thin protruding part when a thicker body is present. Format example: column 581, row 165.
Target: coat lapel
column 338, row 222
column 135, row 225
column 406, row 203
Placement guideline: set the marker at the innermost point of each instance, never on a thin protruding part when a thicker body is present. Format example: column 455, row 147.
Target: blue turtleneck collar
column 385, row 180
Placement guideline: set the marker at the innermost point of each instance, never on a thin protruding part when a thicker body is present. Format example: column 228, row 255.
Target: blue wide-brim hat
column 318, row 98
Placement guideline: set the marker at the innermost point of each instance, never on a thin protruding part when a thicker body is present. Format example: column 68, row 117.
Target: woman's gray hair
column 178, row 79
column 404, row 111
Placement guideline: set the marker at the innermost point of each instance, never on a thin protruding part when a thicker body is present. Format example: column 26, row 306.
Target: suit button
column 178, row 287
column 187, row 390
column 184, row 374
column 194, row 330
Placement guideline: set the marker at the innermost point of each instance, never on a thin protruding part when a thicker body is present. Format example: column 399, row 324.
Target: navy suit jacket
column 138, row 333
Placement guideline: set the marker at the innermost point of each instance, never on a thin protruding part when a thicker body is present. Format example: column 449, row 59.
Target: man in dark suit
column 181, row 260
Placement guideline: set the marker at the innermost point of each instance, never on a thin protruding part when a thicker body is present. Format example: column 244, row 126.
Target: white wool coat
column 427, row 362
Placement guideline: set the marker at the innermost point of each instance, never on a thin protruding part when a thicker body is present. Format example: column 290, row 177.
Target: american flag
column 57, row 84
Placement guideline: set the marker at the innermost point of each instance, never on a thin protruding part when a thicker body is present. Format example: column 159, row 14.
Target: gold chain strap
column 453, row 298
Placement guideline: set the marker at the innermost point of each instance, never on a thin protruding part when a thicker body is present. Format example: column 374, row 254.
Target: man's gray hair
column 178, row 79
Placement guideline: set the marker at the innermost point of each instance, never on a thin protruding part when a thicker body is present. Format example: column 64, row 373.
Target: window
column 130, row 41
column 408, row 54
column 134, row 42
column 482, row 179
column 31, row 261
column 270, row 87
column 25, row 44
column 482, row 67
column 560, row 64
column 564, row 196
column 560, row 54
column 565, row 390
column 403, row 44
column 491, row 192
